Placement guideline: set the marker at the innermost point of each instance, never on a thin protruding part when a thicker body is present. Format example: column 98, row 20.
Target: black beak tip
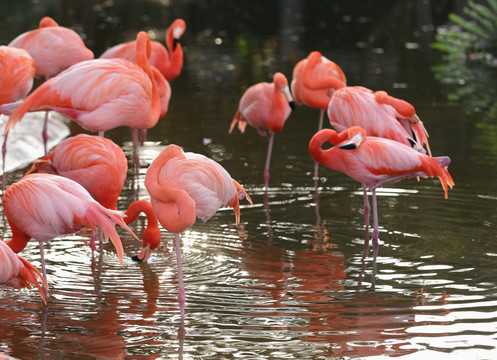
column 136, row 258
column 292, row 105
column 175, row 43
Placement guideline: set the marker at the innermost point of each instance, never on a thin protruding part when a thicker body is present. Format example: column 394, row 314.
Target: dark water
column 291, row 280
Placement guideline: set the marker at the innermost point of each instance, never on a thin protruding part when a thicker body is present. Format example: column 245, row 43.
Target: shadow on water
column 291, row 280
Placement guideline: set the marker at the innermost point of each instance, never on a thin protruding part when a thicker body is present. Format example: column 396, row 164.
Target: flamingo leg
column 367, row 211
column 4, row 156
column 376, row 232
column 43, row 268
column 320, row 126
column 143, row 136
column 268, row 159
column 136, row 144
column 181, row 290
column 101, row 133
column 44, row 133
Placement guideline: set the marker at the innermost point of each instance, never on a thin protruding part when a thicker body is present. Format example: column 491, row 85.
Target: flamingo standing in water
column 17, row 71
column 44, row 206
column 168, row 61
column 100, row 166
column 375, row 161
column 315, row 98
column 17, row 272
column 266, row 107
column 54, row 48
column 101, row 94
column 185, row 186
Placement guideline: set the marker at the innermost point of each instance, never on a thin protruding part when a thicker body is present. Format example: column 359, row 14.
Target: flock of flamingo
column 380, row 140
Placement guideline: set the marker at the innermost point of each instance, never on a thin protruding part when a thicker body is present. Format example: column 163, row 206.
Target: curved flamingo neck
column 138, row 207
column 401, row 106
column 313, row 83
column 143, row 49
column 174, row 208
column 279, row 104
column 175, row 65
column 19, row 240
column 151, row 234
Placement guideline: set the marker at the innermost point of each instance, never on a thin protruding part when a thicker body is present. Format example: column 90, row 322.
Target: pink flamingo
column 168, row 61
column 266, row 107
column 101, row 94
column 375, row 161
column 185, row 186
column 17, row 272
column 100, row 166
column 44, row 206
column 315, row 98
column 376, row 112
column 17, row 71
column 54, row 48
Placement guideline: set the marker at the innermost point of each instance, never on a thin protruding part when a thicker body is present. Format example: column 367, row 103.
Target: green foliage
column 476, row 32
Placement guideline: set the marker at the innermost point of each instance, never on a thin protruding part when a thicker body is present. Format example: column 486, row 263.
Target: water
column 290, row 281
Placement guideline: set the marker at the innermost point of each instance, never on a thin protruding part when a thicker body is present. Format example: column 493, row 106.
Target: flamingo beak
column 143, row 255
column 175, row 43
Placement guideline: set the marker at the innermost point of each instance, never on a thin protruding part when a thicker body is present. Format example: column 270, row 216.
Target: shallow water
column 290, row 281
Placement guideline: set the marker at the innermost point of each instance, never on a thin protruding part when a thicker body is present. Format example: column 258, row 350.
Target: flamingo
column 185, row 186
column 378, row 113
column 168, row 61
column 100, row 166
column 315, row 98
column 101, row 94
column 17, row 71
column 17, row 272
column 44, row 206
column 266, row 107
column 375, row 161
column 54, row 48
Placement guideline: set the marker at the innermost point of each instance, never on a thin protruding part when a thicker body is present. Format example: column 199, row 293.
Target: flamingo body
column 359, row 106
column 17, row 272
column 185, row 186
column 168, row 61
column 374, row 162
column 94, row 162
column 17, row 70
column 266, row 107
column 44, row 206
column 315, row 98
column 54, row 48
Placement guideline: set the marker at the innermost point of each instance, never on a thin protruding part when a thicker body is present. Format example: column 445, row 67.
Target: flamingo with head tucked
column 186, row 186
column 315, row 98
column 54, row 48
column 375, row 161
column 266, row 107
column 17, row 272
